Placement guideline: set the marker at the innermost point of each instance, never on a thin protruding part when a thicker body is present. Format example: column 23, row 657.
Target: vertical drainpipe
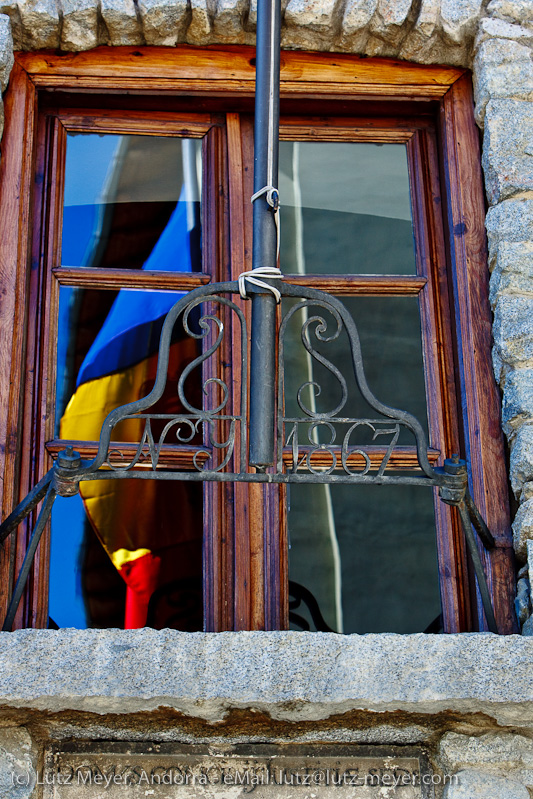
column 265, row 233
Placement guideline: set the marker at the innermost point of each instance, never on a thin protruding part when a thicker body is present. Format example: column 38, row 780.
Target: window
column 183, row 131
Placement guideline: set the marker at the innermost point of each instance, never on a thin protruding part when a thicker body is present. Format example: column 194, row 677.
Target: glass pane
column 132, row 202
column 345, row 209
column 120, row 557
column 367, row 555
column 391, row 346
column 107, row 348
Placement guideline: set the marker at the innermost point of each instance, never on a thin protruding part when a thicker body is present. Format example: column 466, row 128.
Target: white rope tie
column 272, row 198
column 253, row 276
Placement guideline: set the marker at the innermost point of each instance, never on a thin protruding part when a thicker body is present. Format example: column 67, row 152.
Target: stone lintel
column 291, row 676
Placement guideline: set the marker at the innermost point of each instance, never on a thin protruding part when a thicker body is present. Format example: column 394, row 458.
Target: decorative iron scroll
column 216, row 428
column 219, row 426
column 302, row 433
column 312, row 446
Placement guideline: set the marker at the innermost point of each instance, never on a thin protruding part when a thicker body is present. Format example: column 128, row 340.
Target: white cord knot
column 272, row 196
column 253, row 276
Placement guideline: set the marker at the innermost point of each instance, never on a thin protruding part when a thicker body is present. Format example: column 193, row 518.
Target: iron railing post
column 265, row 234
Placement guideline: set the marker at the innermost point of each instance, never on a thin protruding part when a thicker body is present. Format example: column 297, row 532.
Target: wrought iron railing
column 217, row 431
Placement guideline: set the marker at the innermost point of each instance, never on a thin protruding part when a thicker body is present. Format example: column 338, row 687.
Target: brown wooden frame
column 253, row 596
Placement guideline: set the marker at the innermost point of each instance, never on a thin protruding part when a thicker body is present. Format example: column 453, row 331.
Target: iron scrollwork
column 213, row 430
column 205, row 423
column 339, row 429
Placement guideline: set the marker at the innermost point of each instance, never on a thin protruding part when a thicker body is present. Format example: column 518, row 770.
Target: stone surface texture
column 6, row 50
column 523, row 529
column 521, row 464
column 121, row 22
column 164, row 22
column 476, row 784
column 40, row 22
column 80, row 25
column 478, row 760
column 291, row 676
column 17, row 766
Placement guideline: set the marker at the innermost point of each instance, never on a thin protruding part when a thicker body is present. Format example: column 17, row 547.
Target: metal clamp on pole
column 455, row 492
column 67, row 466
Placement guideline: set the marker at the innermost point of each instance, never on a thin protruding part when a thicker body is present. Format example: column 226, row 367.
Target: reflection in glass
column 94, row 585
column 345, row 209
column 137, row 207
column 122, row 192
column 369, row 558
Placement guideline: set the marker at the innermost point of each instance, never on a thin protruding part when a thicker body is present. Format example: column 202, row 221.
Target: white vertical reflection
column 324, row 489
column 190, row 179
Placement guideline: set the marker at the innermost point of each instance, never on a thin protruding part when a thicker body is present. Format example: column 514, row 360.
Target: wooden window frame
column 253, row 597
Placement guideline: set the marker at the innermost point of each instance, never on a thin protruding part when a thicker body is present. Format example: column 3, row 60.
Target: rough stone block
column 123, row 26
column 502, row 69
column 80, row 25
column 527, row 629
column 357, row 17
column 523, row 528
column 459, row 19
column 228, row 23
column 494, row 28
column 11, row 9
column 6, row 50
column 509, row 221
column 492, row 750
column 199, row 29
column 288, row 675
column 508, row 148
column 514, row 10
column 517, row 406
column 164, row 22
column 512, row 269
column 475, row 784
column 310, row 23
column 423, row 42
column 527, row 492
column 522, row 603
column 390, row 21
column 17, row 772
column 521, row 470
column 530, row 560
column 513, row 330
column 40, row 24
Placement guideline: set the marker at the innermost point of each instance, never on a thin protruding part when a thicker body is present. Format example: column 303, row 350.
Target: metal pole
column 478, row 568
column 456, row 493
column 265, row 236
